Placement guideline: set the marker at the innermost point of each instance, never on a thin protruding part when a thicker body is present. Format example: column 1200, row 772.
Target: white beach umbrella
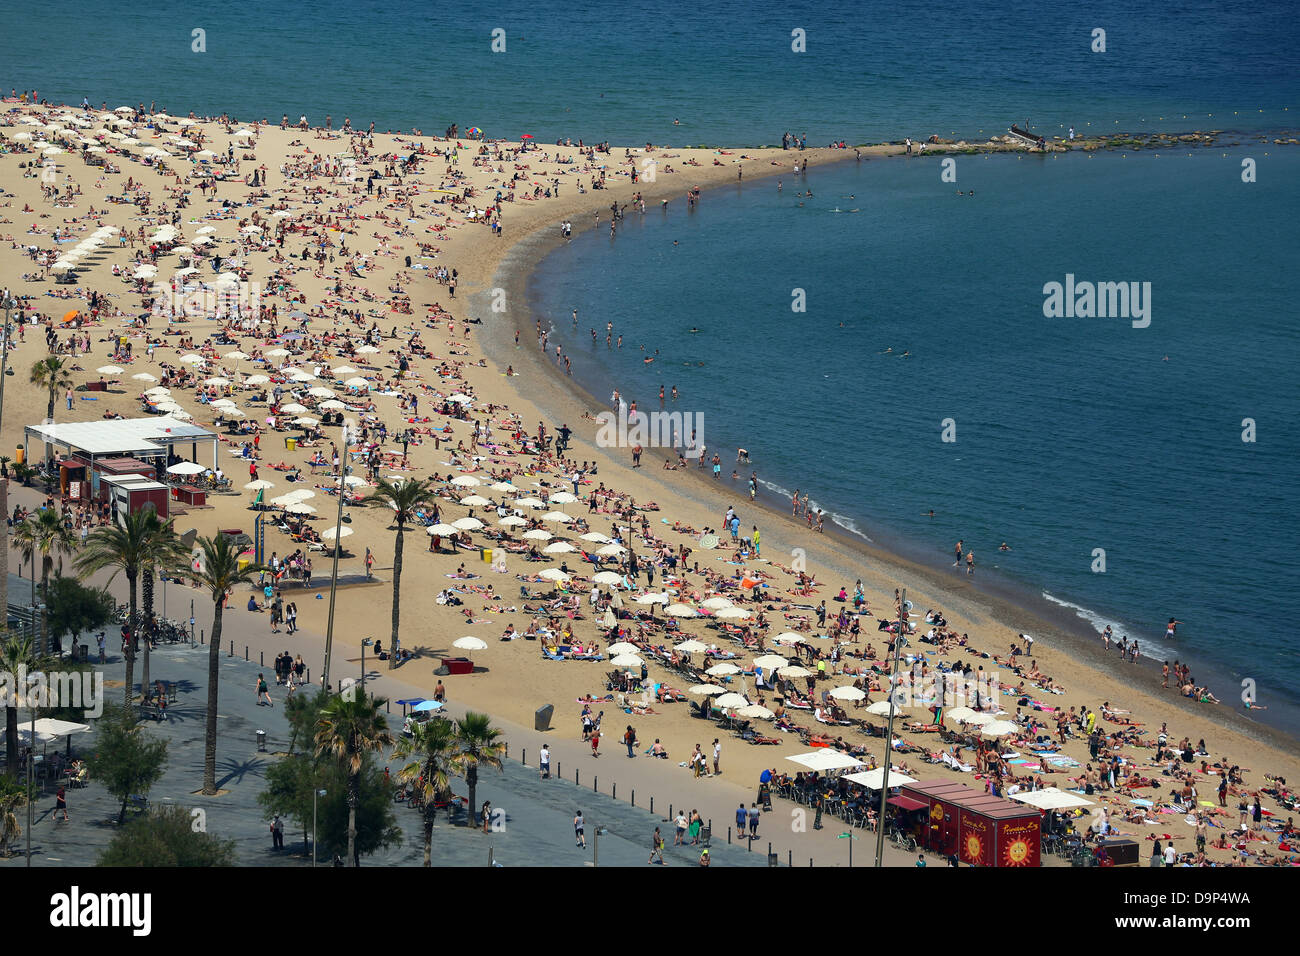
column 366, row 350
column 306, row 421
column 623, row 647
column 144, row 377
column 109, row 370
column 338, row 531
column 345, row 370
column 158, row 390
column 357, row 382
column 596, row 536
column 537, row 534
column 467, row 524
column 793, row 670
column 716, row 603
column 722, row 670
column 217, row 381
column 999, row 728
column 234, row 357
column 610, row 550
column 706, row 690
column 557, row 516
column 553, row 574
column 754, row 712
column 193, row 358
column 604, row 577
column 691, row 646
column 770, row 661
column 512, row 521
column 352, row 481
column 299, row 508
column 651, row 599
column 733, row 613
column 730, row 700
column 466, row 481
column 261, row 484
column 186, row 468
column 627, row 660
column 257, row 380
column 848, row 693
column 474, row 501
column 563, row 498
column 293, row 408
column 503, row 486
column 331, row 405
column 559, row 547
column 469, row 643
column 789, row 639
column 527, row 502
column 881, row 708
column 440, row 528
column 680, row 610
column 301, row 494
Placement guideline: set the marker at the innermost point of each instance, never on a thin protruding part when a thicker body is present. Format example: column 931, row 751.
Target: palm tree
column 17, row 655
column 141, row 539
column 53, row 374
column 403, row 498
column 478, row 743
column 45, row 534
column 348, row 729
column 435, row 748
column 220, row 575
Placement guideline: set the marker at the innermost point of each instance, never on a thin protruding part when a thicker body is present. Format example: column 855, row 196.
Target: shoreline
column 1008, row 602
column 512, row 679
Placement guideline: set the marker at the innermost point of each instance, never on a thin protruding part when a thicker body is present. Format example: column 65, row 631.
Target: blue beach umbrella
column 427, row 705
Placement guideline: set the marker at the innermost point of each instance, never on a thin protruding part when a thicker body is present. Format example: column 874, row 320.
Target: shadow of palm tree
column 237, row 770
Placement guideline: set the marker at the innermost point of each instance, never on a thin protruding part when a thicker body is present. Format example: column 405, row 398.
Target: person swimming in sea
column 1004, row 546
column 692, row 330
column 886, row 351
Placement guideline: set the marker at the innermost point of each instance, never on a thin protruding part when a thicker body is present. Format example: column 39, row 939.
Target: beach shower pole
column 889, row 733
column 344, row 470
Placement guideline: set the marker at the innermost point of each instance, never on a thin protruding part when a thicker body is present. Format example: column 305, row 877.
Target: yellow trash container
column 486, row 555
column 20, row 455
column 291, row 443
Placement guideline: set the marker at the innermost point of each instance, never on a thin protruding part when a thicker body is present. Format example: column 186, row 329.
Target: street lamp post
column 314, row 795
column 8, row 304
column 595, row 850
column 364, row 644
column 889, row 730
column 344, row 471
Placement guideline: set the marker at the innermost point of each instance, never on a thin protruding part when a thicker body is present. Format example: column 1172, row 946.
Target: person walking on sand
column 717, row 756
column 970, row 562
column 370, row 564
column 579, row 831
column 629, row 738
column 546, row 762
column 263, row 691
column 595, row 741
column 680, row 824
column 61, row 803
column 957, row 551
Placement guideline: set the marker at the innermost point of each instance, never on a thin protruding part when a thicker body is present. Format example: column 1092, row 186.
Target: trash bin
column 83, row 653
column 261, row 741
column 706, row 834
column 291, row 443
column 19, row 455
column 486, row 554
column 773, row 859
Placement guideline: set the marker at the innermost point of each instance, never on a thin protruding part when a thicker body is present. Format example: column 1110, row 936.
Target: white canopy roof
column 874, row 779
column 119, row 436
column 1050, row 798
column 825, row 758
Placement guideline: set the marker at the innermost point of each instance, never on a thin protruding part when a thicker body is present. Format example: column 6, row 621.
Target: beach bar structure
column 118, row 448
column 979, row 828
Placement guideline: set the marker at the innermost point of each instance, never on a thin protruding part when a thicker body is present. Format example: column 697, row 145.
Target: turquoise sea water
column 625, row 72
column 1071, row 434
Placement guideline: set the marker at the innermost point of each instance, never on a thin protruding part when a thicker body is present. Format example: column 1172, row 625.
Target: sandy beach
column 435, row 204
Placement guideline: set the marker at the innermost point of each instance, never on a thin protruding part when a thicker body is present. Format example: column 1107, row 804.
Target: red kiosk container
column 981, row 829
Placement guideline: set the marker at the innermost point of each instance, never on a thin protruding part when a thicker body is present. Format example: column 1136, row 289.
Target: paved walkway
column 534, row 827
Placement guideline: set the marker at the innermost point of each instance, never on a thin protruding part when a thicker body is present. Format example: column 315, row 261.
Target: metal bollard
column 232, row 649
column 261, row 658
column 246, row 652
column 595, row 784
column 728, row 836
column 614, row 791
column 576, row 775
column 634, row 798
